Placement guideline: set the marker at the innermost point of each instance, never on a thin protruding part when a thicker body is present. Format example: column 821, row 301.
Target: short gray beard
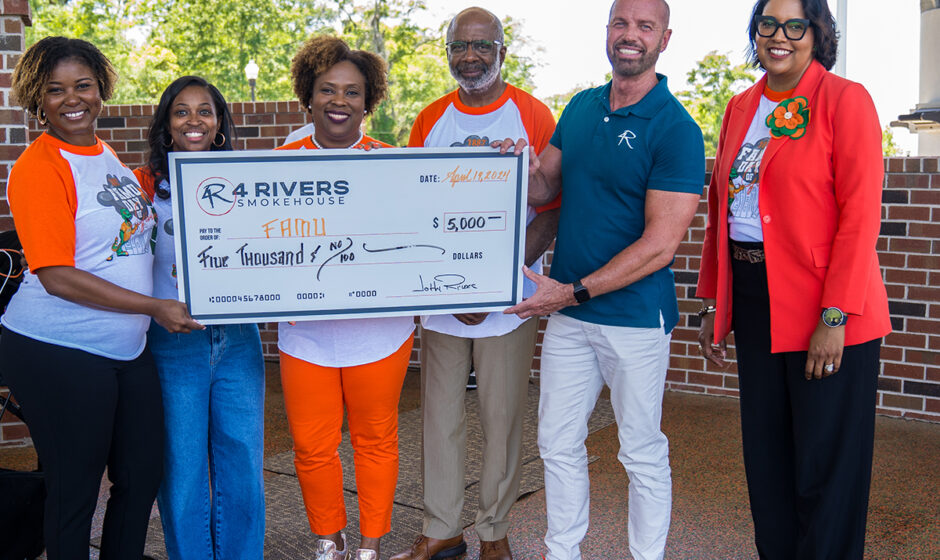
column 482, row 83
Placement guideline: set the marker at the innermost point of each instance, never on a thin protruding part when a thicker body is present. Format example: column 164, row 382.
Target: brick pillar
column 15, row 15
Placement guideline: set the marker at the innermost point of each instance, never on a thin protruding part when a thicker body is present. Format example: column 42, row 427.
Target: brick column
column 14, row 16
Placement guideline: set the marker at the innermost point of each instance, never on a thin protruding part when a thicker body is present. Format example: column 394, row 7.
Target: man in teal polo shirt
column 633, row 165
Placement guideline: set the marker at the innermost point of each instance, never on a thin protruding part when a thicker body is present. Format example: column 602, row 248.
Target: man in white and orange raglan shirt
column 498, row 347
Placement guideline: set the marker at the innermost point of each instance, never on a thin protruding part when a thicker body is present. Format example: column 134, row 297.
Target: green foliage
column 889, row 147
column 418, row 71
column 518, row 67
column 216, row 39
column 107, row 24
column 713, row 83
column 559, row 101
column 152, row 43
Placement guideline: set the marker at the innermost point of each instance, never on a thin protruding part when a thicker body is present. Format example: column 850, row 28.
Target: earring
column 216, row 141
column 41, row 117
column 167, row 142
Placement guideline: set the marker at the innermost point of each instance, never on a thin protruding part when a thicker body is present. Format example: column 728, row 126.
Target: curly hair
column 158, row 136
column 826, row 38
column 34, row 68
column 320, row 53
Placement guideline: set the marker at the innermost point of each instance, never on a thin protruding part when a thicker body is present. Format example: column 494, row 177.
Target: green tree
column 519, row 65
column 889, row 147
column 713, row 83
column 416, row 74
column 152, row 43
column 109, row 24
column 418, row 69
column 217, row 38
column 559, row 101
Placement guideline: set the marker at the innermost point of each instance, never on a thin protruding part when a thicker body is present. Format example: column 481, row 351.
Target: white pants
column 578, row 358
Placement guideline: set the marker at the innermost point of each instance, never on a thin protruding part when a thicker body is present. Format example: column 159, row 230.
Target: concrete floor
column 711, row 519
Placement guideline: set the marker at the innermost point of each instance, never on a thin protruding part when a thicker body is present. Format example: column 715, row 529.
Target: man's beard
column 480, row 83
column 632, row 68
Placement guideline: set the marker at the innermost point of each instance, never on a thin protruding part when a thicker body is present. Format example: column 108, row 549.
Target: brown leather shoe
column 426, row 548
column 495, row 550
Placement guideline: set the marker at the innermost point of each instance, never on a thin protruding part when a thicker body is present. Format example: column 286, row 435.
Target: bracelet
column 706, row 310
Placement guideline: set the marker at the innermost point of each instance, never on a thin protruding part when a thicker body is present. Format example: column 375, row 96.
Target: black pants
column 807, row 444
column 86, row 412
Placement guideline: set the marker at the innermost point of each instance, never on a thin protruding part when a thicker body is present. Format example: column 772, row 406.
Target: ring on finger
column 830, row 368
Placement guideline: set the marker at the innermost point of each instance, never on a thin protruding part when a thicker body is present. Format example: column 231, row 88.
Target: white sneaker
column 366, row 554
column 326, row 550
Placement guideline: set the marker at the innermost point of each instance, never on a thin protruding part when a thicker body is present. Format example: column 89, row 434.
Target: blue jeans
column 212, row 497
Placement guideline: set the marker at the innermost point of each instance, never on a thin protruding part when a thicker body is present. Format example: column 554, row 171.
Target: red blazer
column 820, row 204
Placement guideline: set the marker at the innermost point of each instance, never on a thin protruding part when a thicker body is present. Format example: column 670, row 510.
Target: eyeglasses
column 480, row 46
column 794, row 29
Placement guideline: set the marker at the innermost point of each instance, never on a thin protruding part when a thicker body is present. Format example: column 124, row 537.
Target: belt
column 752, row 256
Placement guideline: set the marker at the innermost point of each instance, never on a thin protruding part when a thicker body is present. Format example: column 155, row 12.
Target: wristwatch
column 581, row 293
column 705, row 310
column 833, row 317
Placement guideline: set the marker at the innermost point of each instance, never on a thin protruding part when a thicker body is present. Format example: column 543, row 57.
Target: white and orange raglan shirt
column 448, row 122
column 80, row 206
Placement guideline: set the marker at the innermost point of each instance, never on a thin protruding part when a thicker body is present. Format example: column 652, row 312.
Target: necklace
column 313, row 137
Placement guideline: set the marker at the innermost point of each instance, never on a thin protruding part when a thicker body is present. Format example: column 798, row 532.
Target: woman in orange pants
column 359, row 363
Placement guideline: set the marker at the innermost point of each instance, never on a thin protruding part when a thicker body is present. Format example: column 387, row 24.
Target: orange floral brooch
column 789, row 118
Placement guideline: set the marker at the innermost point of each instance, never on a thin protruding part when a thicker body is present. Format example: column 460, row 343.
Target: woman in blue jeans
column 212, row 497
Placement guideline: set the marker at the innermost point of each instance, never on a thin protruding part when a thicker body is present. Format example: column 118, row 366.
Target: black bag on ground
column 22, row 493
column 22, row 498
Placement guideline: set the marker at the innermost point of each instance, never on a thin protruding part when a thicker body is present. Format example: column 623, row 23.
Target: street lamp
column 251, row 72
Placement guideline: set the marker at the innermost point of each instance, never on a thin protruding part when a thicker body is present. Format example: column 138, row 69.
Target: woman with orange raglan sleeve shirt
column 74, row 334
column 789, row 263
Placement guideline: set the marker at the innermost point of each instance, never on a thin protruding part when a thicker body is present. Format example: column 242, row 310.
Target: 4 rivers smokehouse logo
column 218, row 196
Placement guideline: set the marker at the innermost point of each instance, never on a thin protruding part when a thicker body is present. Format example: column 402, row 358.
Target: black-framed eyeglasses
column 480, row 46
column 793, row 29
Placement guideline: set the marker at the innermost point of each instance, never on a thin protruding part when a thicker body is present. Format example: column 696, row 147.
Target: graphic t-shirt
column 80, row 206
column 342, row 342
column 448, row 122
column 744, row 220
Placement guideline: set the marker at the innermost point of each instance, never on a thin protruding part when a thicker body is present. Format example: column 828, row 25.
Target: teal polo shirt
column 610, row 159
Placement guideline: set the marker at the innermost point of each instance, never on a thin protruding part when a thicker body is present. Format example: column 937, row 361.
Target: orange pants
column 314, row 397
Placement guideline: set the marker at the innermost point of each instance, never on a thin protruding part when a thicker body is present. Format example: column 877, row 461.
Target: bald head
column 663, row 9
column 476, row 15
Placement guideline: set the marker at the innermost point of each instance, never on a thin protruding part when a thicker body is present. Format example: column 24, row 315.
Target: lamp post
column 251, row 72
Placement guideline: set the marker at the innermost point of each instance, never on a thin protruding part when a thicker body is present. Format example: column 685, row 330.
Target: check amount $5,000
column 377, row 252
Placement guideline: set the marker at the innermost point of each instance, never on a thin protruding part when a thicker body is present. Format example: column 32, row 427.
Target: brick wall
column 14, row 15
column 909, row 251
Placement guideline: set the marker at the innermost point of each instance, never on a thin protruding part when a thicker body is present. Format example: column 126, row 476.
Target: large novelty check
column 308, row 234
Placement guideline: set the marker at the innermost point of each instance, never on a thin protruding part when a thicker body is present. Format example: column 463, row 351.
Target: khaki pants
column 502, row 365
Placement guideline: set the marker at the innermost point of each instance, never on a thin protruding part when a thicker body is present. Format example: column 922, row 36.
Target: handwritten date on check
column 315, row 234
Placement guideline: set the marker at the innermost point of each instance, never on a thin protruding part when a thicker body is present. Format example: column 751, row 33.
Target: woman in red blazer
column 789, row 263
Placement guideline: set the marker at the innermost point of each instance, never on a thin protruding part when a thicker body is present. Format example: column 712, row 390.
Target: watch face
column 581, row 294
column 833, row 316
